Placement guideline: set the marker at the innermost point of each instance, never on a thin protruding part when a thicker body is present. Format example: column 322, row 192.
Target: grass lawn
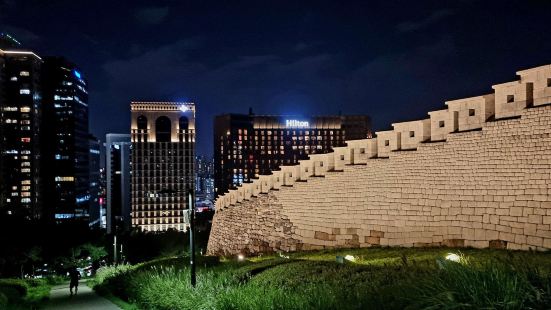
column 373, row 278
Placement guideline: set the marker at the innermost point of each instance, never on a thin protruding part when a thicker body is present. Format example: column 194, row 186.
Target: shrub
column 23, row 294
column 3, row 301
column 18, row 286
column 110, row 272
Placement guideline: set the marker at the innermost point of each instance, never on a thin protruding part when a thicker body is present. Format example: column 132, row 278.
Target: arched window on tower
column 184, row 123
column 142, row 123
column 162, row 129
column 142, row 128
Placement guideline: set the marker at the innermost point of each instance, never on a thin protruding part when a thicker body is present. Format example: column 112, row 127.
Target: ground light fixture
column 453, row 257
column 350, row 258
column 240, row 257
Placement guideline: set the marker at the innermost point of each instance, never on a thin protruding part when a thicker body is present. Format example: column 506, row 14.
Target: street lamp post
column 191, row 237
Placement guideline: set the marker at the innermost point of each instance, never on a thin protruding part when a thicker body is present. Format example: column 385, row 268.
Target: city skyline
column 320, row 59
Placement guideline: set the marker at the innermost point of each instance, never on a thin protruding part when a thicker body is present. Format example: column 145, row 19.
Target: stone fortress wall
column 475, row 174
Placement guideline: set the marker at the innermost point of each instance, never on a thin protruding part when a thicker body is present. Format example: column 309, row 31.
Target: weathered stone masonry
column 489, row 186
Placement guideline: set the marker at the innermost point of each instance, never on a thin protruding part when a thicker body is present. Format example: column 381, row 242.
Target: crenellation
column 412, row 133
column 387, row 141
column 540, row 77
column 511, row 98
column 470, row 113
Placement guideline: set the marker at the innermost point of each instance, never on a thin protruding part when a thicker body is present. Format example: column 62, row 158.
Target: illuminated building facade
column 20, row 114
column 204, row 180
column 117, row 170
column 246, row 146
column 163, row 153
column 65, row 141
column 94, row 164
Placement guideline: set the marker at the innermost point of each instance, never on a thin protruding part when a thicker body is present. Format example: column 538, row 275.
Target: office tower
column 103, row 193
column 163, row 146
column 246, row 146
column 117, row 171
column 20, row 115
column 94, row 177
column 204, row 180
column 65, row 140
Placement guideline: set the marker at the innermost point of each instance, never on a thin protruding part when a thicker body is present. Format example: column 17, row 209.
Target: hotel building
column 163, row 153
column 248, row 145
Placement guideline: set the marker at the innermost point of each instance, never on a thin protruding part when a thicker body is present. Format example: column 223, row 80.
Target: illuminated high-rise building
column 248, row 145
column 163, row 153
column 204, row 180
column 65, row 141
column 94, row 164
column 20, row 115
column 117, row 170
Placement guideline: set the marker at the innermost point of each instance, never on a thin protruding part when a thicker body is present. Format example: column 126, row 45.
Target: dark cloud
column 394, row 83
column 152, row 15
column 436, row 16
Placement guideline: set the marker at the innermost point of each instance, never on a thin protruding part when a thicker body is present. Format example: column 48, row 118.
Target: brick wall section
column 480, row 188
column 257, row 226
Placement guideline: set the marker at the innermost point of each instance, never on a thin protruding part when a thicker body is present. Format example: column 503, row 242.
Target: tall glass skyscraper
column 65, row 147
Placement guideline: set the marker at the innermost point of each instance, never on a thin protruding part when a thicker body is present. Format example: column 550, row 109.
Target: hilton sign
column 296, row 124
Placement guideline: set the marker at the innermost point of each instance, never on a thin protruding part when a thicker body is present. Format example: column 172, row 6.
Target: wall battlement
column 475, row 174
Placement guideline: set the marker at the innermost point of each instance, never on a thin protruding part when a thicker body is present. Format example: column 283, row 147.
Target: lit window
column 25, row 194
column 25, row 188
column 10, row 109
column 25, row 109
column 14, row 79
column 26, row 182
column 26, row 170
column 25, row 91
column 64, row 179
column 25, row 140
column 25, row 200
column 24, row 73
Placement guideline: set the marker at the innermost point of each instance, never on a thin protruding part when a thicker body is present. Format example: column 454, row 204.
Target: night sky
column 390, row 60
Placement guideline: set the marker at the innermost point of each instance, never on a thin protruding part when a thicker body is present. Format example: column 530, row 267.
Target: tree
column 30, row 256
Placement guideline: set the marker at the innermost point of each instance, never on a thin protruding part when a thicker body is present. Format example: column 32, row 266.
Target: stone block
column 375, row 233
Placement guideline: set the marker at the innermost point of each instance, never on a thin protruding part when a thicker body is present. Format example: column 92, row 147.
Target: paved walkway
column 86, row 299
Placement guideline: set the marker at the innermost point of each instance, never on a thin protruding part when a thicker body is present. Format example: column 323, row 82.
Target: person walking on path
column 75, row 276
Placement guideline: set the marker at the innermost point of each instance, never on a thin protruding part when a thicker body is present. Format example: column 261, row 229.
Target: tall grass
column 492, row 286
column 401, row 281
